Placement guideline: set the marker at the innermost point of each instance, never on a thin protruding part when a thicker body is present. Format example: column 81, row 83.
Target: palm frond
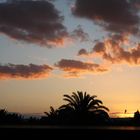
column 69, row 99
column 85, row 94
column 103, row 107
column 80, row 94
column 70, row 102
column 83, row 102
column 52, row 109
column 74, row 95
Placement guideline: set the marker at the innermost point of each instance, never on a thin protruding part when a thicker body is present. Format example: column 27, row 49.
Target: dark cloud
column 32, row 21
column 114, row 15
column 30, row 71
column 99, row 47
column 82, row 52
column 136, row 3
column 76, row 68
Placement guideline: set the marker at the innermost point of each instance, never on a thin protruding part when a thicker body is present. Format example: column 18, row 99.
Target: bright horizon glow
column 122, row 115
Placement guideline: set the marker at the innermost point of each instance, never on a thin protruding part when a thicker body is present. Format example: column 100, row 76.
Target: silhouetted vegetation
column 80, row 109
column 137, row 118
column 10, row 118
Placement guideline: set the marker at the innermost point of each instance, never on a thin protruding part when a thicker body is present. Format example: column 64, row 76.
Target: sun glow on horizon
column 122, row 115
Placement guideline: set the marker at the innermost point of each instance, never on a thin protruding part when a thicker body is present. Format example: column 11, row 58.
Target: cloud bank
column 31, row 71
column 111, row 50
column 75, row 68
column 120, row 16
column 32, row 21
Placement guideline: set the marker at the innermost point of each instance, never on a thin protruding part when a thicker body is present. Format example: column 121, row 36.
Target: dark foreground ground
column 77, row 132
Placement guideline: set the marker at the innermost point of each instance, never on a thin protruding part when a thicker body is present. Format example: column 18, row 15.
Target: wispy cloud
column 79, row 34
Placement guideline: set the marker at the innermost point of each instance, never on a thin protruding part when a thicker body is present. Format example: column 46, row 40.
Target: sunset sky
column 53, row 47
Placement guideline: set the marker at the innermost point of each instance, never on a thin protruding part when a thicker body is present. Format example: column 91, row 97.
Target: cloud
column 99, row 48
column 31, row 71
column 117, row 54
column 111, row 50
column 82, row 52
column 136, row 3
column 80, row 34
column 120, row 16
column 32, row 21
column 75, row 68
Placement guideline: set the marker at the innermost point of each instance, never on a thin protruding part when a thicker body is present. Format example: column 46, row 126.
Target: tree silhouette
column 52, row 116
column 52, row 113
column 136, row 118
column 10, row 118
column 83, row 102
column 83, row 108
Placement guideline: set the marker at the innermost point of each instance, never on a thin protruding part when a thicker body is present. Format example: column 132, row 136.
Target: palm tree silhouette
column 52, row 116
column 52, row 112
column 83, row 102
column 85, row 107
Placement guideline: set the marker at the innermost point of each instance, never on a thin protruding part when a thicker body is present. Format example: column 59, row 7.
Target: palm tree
column 83, row 105
column 52, row 116
column 52, row 112
column 83, row 102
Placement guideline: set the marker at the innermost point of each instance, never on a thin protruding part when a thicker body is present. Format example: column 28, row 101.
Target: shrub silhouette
column 10, row 118
column 136, row 118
